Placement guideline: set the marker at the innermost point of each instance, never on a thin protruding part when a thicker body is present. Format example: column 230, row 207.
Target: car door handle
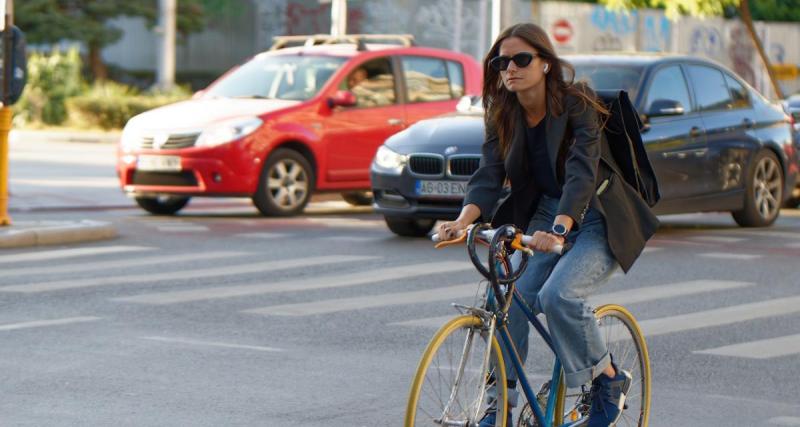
column 395, row 122
column 748, row 124
column 695, row 131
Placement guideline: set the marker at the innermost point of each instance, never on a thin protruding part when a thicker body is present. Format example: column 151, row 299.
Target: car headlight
column 388, row 159
column 227, row 131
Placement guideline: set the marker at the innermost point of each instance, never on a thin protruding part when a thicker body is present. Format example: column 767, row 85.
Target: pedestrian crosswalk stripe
column 68, row 253
column 784, row 421
column 262, row 235
column 718, row 239
column 651, row 249
column 369, row 301
column 761, row 349
column 212, row 344
column 356, row 239
column 45, row 323
column 649, row 293
column 721, row 255
column 318, row 282
column 182, row 228
column 720, row 316
column 348, row 222
column 119, row 264
column 200, row 273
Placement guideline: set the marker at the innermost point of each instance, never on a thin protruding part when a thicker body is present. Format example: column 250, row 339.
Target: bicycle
column 452, row 392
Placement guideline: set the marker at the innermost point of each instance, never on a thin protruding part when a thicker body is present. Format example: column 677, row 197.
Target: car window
column 710, row 89
column 372, row 83
column 426, row 79
column 739, row 95
column 668, row 84
column 292, row 77
column 456, row 74
column 610, row 77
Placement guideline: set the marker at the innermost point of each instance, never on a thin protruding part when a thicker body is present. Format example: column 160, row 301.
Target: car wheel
column 358, row 198
column 763, row 192
column 162, row 205
column 285, row 184
column 409, row 227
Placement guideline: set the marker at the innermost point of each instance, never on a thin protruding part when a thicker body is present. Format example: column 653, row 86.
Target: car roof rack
column 360, row 40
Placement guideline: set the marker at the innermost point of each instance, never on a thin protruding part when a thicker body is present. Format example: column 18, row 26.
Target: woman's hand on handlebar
column 450, row 230
column 543, row 241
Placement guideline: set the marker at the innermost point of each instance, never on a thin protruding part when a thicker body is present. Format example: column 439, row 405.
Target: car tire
column 763, row 192
column 407, row 227
column 285, row 185
column 162, row 205
column 358, row 198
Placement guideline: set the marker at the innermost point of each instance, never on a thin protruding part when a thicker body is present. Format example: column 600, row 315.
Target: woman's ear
column 546, row 68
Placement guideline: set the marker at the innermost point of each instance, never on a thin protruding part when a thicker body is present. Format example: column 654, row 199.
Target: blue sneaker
column 490, row 419
column 608, row 398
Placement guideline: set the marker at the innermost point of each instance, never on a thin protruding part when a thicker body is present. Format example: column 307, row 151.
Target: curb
column 43, row 234
column 68, row 136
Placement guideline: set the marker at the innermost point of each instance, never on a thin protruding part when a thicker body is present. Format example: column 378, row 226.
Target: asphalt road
column 221, row 317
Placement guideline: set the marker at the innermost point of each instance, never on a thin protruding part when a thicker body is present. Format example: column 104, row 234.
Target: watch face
column 560, row 229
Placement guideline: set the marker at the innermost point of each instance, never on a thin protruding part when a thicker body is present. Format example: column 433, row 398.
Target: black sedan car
column 715, row 143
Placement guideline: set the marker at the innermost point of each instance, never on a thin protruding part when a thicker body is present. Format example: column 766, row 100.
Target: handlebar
column 487, row 236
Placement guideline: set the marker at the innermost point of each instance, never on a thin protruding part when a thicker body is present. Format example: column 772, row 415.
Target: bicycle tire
column 430, row 391
column 625, row 342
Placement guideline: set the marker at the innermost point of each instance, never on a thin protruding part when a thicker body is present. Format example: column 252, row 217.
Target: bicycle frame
column 546, row 416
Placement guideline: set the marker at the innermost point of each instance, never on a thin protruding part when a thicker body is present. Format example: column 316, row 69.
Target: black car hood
column 434, row 135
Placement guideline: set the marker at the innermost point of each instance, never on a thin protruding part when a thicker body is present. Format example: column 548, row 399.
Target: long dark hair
column 502, row 107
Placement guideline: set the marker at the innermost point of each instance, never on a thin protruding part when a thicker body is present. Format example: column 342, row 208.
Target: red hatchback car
column 289, row 122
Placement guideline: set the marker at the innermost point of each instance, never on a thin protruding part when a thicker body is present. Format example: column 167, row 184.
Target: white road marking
column 649, row 293
column 212, row 344
column 182, row 228
column 793, row 245
column 761, row 349
column 262, row 235
column 318, row 282
column 718, row 239
column 353, row 238
column 69, row 253
column 741, row 257
column 651, row 249
column 45, row 323
column 199, row 273
column 720, row 316
column 369, row 301
column 348, row 222
column 764, row 233
column 119, row 264
column 784, row 421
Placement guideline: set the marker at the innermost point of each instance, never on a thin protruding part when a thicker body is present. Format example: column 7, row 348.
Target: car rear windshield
column 292, row 77
column 610, row 77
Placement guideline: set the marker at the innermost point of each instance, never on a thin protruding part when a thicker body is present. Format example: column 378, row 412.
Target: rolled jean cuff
column 577, row 379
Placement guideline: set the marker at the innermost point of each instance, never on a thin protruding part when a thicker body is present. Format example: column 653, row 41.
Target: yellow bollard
column 5, row 127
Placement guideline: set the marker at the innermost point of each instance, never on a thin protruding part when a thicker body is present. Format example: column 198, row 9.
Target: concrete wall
column 464, row 25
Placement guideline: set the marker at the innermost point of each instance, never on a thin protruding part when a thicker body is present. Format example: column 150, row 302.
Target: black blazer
column 580, row 157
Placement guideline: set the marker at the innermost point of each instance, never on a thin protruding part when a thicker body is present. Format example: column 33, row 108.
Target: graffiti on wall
column 613, row 26
column 316, row 19
column 657, row 32
column 706, row 41
column 740, row 52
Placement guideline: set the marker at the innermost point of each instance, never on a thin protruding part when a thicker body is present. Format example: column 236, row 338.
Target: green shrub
column 52, row 78
column 109, row 105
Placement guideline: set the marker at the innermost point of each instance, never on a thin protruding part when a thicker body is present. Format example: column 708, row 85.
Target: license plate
column 159, row 163
column 442, row 188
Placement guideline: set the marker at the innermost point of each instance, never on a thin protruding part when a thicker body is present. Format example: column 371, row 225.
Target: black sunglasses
column 522, row 60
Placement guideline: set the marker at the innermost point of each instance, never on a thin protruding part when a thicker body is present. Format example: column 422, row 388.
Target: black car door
column 674, row 136
column 729, row 120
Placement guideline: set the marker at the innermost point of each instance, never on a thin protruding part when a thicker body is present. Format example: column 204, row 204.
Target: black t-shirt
column 539, row 162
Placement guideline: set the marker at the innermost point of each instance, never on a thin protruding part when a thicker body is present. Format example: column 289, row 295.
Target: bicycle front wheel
column 454, row 375
column 626, row 344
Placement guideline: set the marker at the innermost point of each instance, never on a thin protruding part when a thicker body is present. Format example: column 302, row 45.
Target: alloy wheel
column 287, row 183
column 767, row 187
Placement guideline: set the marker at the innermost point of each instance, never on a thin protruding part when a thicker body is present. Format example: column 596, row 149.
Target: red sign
column 562, row 31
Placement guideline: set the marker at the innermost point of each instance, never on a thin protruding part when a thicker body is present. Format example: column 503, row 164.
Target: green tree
column 87, row 21
column 674, row 8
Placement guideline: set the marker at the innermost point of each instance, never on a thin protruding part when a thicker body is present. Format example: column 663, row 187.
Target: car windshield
column 610, row 77
column 292, row 77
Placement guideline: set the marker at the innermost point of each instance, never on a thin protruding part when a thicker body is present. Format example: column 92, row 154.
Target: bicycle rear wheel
column 626, row 344
column 450, row 386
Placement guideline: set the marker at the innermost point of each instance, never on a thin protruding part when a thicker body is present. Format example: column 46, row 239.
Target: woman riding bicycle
column 543, row 135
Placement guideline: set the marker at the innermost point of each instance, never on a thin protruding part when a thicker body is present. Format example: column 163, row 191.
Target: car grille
column 174, row 141
column 425, row 164
column 178, row 179
column 464, row 166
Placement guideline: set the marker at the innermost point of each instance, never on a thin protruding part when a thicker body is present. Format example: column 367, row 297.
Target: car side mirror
column 665, row 107
column 342, row 98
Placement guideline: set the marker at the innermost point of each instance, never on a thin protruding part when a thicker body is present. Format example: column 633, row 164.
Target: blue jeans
column 558, row 286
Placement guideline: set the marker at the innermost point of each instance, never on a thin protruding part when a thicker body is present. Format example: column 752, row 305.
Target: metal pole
column 5, row 112
column 166, row 63
column 457, row 22
column 496, row 17
column 339, row 18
